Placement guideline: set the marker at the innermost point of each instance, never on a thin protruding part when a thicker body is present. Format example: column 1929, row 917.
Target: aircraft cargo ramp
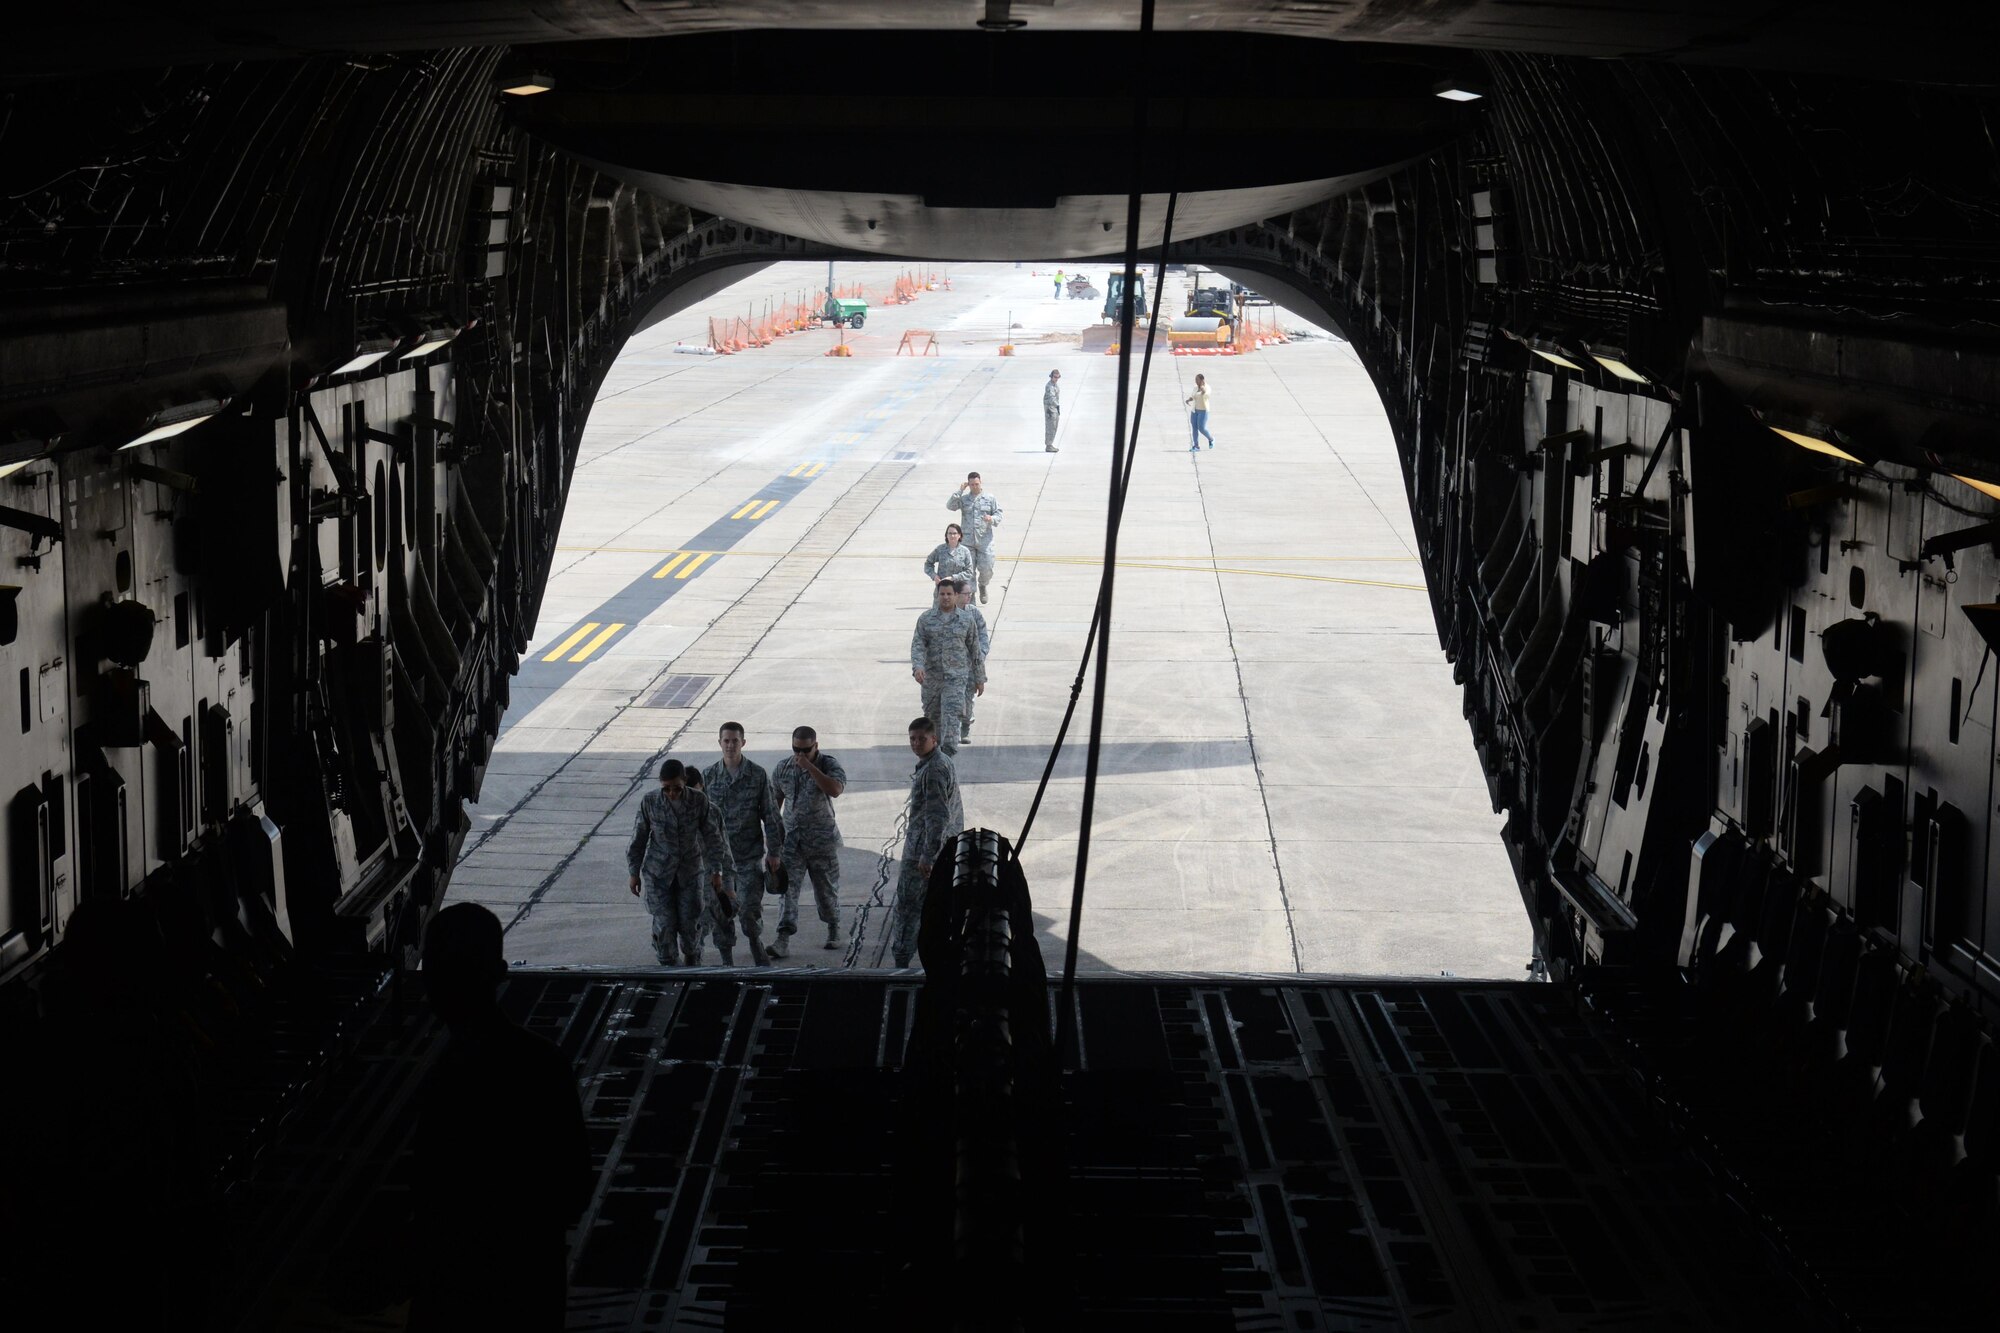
column 1228, row 1152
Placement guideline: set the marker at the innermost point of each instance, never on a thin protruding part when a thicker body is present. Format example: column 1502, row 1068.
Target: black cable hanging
column 1121, row 487
column 1122, row 443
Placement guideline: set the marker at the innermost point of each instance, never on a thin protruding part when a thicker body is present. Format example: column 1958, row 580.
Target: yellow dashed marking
column 695, row 564
column 763, row 510
column 569, row 643
column 603, row 636
column 813, row 471
column 795, row 471
column 744, row 510
column 1165, row 563
column 668, row 568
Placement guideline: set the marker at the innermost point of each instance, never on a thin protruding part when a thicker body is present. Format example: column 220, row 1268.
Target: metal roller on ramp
column 1201, row 330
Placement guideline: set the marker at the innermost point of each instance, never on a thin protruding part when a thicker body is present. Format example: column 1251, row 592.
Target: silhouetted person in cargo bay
column 502, row 1165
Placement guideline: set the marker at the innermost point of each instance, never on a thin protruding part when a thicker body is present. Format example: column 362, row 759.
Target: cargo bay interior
column 1683, row 326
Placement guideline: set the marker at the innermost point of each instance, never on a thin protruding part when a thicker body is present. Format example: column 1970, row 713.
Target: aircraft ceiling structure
column 1686, row 331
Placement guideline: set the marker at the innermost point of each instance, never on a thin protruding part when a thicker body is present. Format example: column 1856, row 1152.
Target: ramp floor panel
column 1238, row 1154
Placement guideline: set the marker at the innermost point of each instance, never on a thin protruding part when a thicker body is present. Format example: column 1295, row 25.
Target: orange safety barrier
column 918, row 342
column 784, row 316
column 1258, row 329
column 779, row 319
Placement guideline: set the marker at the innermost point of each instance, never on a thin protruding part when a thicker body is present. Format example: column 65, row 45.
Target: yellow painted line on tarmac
column 795, row 471
column 668, row 568
column 813, row 471
column 1168, row 564
column 764, row 510
column 744, row 510
column 568, row 643
column 603, row 636
column 695, row 564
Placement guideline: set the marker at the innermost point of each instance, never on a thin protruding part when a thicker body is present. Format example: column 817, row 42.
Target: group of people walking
column 708, row 845
column 705, row 845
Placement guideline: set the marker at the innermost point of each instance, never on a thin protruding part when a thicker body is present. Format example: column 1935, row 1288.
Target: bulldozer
column 1114, row 300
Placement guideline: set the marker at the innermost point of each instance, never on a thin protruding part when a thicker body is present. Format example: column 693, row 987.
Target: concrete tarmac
column 1286, row 781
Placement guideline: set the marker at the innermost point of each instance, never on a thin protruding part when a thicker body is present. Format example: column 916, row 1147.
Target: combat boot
column 832, row 935
column 728, row 956
column 780, row 946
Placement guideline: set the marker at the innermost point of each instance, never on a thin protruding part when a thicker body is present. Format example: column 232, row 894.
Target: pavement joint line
column 1220, row 569
column 1249, row 728
column 757, row 507
column 1031, row 559
column 1338, row 457
column 723, row 466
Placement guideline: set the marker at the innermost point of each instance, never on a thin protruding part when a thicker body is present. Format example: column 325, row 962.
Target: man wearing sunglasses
column 807, row 784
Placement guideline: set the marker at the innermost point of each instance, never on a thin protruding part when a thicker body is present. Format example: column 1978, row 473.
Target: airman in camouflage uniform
column 945, row 659
column 949, row 559
column 717, row 916
column 752, row 828
column 935, row 815
column 807, row 784
column 982, row 515
column 1051, row 411
column 671, row 836
column 964, row 591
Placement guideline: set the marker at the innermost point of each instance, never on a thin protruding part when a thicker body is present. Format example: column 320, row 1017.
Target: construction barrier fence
column 783, row 316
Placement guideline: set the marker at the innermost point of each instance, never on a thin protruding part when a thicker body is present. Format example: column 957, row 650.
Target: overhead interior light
column 1817, row 445
column 174, row 420
column 1613, row 360
column 361, row 361
column 1544, row 347
column 374, row 344
column 429, row 341
column 1986, row 488
column 1451, row 90
column 9, row 469
column 529, row 85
